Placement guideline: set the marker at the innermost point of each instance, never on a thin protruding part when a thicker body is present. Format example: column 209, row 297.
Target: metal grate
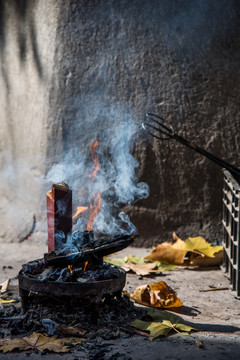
column 231, row 225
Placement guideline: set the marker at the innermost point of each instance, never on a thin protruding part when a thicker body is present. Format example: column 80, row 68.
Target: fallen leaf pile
column 162, row 323
column 40, row 342
column 139, row 265
column 194, row 251
column 158, row 295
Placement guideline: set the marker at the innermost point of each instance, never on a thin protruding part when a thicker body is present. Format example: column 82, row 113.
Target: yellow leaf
column 167, row 254
column 158, row 295
column 201, row 245
column 163, row 322
column 114, row 261
column 40, row 342
column 198, row 250
column 2, row 301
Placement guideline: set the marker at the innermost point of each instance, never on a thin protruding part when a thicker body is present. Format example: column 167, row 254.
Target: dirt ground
column 216, row 314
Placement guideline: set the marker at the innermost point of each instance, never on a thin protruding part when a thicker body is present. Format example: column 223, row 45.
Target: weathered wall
column 87, row 60
column 27, row 49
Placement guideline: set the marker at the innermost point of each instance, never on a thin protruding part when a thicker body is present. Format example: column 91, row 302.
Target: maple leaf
column 201, row 245
column 203, row 260
column 198, row 249
column 40, row 342
column 167, row 254
column 158, row 295
column 163, row 322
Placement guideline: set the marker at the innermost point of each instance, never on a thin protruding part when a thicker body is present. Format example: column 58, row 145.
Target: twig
column 140, row 332
column 34, row 346
column 21, row 317
column 214, row 289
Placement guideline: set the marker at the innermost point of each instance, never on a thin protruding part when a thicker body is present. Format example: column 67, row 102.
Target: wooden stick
column 59, row 213
column 214, row 289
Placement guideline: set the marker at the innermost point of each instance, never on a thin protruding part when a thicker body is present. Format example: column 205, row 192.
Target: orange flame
column 80, row 209
column 97, row 201
column 70, row 269
column 85, row 266
column 94, row 210
column 94, row 145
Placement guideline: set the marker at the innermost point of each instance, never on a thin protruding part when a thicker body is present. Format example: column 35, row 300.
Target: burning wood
column 59, row 213
column 74, row 263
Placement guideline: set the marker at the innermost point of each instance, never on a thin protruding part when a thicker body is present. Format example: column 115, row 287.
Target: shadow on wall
column 26, row 33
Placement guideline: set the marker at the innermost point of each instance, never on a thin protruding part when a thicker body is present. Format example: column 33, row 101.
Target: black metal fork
column 161, row 129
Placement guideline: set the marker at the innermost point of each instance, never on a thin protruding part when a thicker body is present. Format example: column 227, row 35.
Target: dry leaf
column 40, row 342
column 4, row 286
column 203, row 260
column 139, row 265
column 199, row 251
column 139, row 260
column 143, row 270
column 115, row 261
column 2, row 301
column 158, row 295
column 167, row 254
column 201, row 245
column 70, row 330
column 163, row 322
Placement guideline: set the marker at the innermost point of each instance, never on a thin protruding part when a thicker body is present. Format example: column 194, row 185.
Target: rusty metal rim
column 93, row 288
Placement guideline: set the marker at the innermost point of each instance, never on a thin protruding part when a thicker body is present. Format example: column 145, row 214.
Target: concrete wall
column 27, row 50
column 65, row 63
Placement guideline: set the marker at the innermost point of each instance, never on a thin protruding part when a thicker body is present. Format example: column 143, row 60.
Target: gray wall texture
column 66, row 64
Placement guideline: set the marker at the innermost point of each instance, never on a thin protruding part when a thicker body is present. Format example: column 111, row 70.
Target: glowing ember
column 85, row 266
column 70, row 267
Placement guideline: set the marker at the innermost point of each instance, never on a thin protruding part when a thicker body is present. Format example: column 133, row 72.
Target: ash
column 97, row 319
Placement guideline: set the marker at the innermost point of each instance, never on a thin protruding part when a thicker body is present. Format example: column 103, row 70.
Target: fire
column 80, row 209
column 93, row 147
column 94, row 210
column 97, row 201
column 85, row 266
column 70, row 267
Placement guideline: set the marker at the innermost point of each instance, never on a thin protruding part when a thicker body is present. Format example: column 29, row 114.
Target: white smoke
column 116, row 179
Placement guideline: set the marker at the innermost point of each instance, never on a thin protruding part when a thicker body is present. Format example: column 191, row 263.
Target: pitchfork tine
column 165, row 128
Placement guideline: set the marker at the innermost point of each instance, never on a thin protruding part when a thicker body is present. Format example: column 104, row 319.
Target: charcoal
column 83, row 239
column 47, row 273
column 34, row 267
column 101, row 248
column 64, row 275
